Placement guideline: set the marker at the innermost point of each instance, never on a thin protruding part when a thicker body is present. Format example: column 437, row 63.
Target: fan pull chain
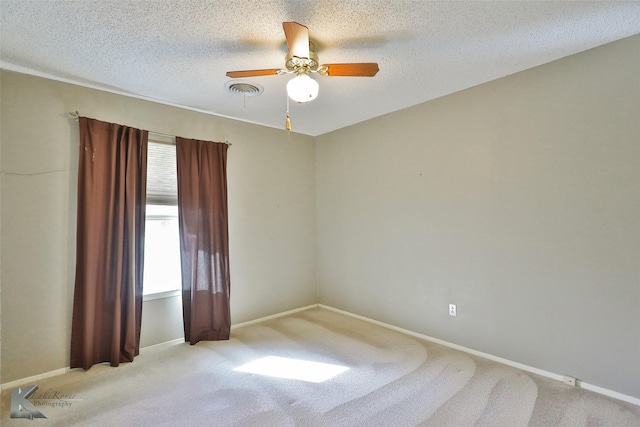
column 288, row 120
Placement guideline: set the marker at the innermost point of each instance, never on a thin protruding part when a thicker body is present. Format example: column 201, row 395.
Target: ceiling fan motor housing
column 302, row 65
column 302, row 59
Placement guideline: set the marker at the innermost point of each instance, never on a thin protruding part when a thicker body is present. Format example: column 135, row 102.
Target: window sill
column 160, row 295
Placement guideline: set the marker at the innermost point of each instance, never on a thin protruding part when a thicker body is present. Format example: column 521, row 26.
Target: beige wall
column 271, row 208
column 161, row 321
column 518, row 200
column 0, row 235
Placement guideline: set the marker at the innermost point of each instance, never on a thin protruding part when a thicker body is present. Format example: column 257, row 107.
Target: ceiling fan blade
column 297, row 39
column 364, row 69
column 253, row 73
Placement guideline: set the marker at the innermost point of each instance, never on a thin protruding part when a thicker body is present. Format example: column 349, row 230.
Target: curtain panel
column 204, row 239
column 107, row 306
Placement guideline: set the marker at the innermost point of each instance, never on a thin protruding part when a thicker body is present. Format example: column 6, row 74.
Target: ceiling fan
column 302, row 60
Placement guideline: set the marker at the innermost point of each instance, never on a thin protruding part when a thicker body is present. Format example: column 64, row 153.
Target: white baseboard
column 162, row 344
column 607, row 392
column 541, row 372
column 45, row 375
column 273, row 316
column 34, row 378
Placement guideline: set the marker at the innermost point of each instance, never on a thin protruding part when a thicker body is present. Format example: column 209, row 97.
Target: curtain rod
column 76, row 115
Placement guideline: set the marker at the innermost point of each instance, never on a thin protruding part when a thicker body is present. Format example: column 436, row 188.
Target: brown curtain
column 204, row 239
column 107, row 303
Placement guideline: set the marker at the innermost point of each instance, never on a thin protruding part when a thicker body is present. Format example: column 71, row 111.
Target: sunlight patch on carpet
column 295, row 369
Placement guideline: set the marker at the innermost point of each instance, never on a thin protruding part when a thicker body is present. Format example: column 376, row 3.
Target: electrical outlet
column 569, row 381
column 452, row 310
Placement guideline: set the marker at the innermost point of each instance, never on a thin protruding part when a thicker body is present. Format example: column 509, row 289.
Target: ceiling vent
column 235, row 87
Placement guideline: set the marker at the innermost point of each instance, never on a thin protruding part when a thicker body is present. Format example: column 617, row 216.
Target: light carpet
column 392, row 380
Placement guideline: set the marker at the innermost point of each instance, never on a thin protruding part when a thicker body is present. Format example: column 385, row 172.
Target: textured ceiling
column 177, row 51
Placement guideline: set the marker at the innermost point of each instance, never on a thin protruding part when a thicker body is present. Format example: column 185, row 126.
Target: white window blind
column 162, row 174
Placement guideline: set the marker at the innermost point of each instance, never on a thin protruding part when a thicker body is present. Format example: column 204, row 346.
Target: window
column 161, row 250
column 162, row 239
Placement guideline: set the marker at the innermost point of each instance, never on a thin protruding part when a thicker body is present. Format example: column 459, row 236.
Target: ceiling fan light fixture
column 302, row 88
